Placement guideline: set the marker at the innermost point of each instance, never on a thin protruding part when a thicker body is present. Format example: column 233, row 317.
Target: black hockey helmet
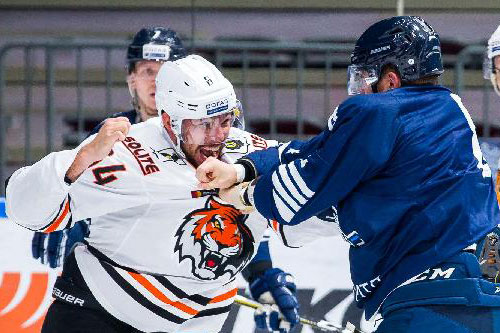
column 154, row 43
column 406, row 42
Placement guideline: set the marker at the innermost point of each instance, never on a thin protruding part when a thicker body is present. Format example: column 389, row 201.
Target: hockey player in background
column 401, row 164
column 492, row 72
column 161, row 255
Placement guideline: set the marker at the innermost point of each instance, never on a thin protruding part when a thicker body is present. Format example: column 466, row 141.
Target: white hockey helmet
column 193, row 88
column 489, row 70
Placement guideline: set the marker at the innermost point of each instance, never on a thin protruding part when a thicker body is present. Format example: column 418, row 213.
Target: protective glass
column 211, row 130
column 360, row 79
column 239, row 119
column 148, row 72
column 488, row 68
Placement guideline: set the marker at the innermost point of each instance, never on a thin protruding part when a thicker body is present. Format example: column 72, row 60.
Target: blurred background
column 62, row 70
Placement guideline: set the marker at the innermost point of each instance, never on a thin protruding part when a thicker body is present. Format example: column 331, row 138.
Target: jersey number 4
column 105, row 175
column 476, row 149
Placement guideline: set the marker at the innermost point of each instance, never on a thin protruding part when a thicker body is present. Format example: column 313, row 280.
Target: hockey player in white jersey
column 162, row 254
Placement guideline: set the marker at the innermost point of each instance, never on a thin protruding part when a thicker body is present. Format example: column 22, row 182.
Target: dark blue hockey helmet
column 154, row 43
column 406, row 42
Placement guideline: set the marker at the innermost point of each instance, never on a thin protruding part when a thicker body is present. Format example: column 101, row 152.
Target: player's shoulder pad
column 242, row 142
column 131, row 115
column 365, row 108
column 139, row 139
column 150, row 135
column 142, row 143
column 150, row 129
column 359, row 104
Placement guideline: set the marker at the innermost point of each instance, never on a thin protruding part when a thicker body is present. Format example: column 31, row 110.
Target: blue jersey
column 404, row 172
column 132, row 116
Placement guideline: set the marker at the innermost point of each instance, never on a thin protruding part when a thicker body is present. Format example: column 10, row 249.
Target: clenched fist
column 112, row 131
column 213, row 173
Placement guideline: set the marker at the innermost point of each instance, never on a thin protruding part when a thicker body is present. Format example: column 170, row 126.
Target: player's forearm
column 81, row 163
column 265, row 161
column 264, row 200
column 262, row 162
column 34, row 194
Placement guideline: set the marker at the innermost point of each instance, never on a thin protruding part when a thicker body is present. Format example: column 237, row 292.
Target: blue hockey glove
column 275, row 287
column 52, row 248
column 269, row 318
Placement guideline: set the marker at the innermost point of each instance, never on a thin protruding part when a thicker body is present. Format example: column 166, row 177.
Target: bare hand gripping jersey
column 162, row 255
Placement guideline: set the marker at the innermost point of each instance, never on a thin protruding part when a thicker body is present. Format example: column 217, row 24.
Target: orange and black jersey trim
column 148, row 290
column 62, row 220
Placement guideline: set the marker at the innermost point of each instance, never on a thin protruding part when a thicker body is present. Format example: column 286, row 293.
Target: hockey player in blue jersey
column 401, row 167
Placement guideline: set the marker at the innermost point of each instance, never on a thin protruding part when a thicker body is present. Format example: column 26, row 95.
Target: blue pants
column 442, row 319
column 451, row 297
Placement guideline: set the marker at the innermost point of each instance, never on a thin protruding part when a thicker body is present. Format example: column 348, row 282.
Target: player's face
column 496, row 70
column 202, row 138
column 143, row 82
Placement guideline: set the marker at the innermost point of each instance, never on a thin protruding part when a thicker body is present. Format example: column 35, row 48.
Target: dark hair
column 426, row 80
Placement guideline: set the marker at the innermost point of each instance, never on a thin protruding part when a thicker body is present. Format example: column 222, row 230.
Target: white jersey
column 162, row 253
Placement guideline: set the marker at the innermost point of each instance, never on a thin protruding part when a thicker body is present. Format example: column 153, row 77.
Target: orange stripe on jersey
column 59, row 219
column 159, row 295
column 223, row 297
column 497, row 186
column 275, row 225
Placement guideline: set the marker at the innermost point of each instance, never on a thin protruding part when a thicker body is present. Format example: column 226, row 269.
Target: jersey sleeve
column 322, row 225
column 261, row 261
column 38, row 198
column 279, row 153
column 355, row 146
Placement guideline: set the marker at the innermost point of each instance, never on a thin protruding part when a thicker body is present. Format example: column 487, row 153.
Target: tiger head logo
column 215, row 239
